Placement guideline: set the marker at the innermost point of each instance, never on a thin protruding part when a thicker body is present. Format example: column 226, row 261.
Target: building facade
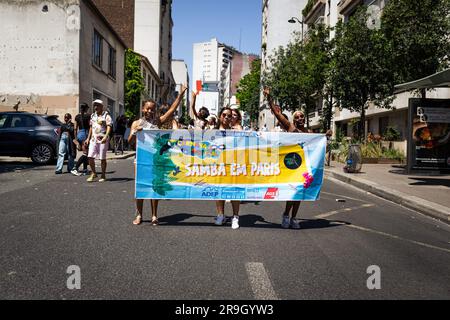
column 329, row 12
column 181, row 76
column 58, row 54
column 276, row 32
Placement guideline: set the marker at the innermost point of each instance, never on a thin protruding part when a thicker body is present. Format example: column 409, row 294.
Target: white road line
column 327, row 214
column 260, row 282
column 397, row 237
column 341, row 196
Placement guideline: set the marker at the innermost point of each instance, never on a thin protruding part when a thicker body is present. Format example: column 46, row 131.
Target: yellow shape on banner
column 249, row 166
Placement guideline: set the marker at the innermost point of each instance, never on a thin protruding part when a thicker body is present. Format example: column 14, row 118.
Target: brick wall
column 120, row 14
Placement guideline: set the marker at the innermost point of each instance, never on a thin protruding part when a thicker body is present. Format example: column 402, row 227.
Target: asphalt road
column 49, row 222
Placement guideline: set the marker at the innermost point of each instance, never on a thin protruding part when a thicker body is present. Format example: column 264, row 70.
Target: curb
column 412, row 202
column 119, row 157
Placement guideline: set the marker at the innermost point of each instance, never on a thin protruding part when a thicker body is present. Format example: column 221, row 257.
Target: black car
column 24, row 134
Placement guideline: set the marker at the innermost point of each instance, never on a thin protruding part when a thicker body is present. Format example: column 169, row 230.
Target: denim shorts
column 82, row 135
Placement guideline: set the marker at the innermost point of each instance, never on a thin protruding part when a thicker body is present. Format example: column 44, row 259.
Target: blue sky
column 201, row 20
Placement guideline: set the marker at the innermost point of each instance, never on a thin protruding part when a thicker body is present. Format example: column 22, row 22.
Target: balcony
column 317, row 10
column 346, row 7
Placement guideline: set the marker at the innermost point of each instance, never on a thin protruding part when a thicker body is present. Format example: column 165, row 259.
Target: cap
column 98, row 101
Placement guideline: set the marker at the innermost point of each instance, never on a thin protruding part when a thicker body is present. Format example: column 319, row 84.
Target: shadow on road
column 245, row 221
column 12, row 166
column 430, row 182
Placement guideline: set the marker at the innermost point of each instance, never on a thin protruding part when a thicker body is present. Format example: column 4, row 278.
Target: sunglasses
column 226, row 115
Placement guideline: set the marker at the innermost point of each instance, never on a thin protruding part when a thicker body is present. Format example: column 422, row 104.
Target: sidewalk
column 126, row 154
column 428, row 194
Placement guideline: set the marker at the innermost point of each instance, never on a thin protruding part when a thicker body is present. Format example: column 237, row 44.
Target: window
column 111, row 108
column 144, row 76
column 149, row 81
column 96, row 95
column 3, row 120
column 112, row 62
column 21, row 121
column 97, row 49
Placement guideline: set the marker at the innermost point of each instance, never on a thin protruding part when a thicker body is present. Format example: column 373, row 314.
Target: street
column 51, row 222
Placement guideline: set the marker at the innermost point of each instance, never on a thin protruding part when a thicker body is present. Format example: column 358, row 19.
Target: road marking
column 260, row 282
column 341, row 196
column 397, row 237
column 327, row 214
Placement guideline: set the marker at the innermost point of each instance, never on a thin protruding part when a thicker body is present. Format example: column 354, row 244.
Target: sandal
column 138, row 220
column 155, row 221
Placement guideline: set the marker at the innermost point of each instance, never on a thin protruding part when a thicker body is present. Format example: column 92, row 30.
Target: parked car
column 24, row 134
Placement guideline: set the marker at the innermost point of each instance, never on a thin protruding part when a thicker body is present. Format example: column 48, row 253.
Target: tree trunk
column 362, row 125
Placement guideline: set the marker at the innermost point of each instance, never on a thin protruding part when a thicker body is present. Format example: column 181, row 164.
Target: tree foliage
column 134, row 83
column 362, row 66
column 248, row 91
column 419, row 34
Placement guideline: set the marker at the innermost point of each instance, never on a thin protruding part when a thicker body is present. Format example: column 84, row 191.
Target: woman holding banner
column 225, row 119
column 297, row 126
column 153, row 121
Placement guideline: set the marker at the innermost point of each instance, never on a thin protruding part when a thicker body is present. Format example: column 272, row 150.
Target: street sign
column 210, row 86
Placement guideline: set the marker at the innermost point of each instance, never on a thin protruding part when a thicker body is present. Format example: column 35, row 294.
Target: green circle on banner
column 293, row 161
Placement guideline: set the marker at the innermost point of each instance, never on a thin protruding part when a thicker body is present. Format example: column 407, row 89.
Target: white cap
column 98, row 101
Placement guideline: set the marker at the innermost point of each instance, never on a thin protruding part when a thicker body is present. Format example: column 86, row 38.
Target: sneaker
column 102, row 179
column 75, row 172
column 58, row 172
column 92, row 178
column 285, row 222
column 295, row 224
column 220, row 220
column 235, row 222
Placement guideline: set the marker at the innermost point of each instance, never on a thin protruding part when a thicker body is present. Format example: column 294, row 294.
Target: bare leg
column 220, row 206
column 139, row 208
column 235, row 205
column 289, row 205
column 92, row 165
column 295, row 206
column 104, row 168
column 154, row 211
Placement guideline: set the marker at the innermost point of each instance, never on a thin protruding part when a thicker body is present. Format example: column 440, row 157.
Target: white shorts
column 98, row 150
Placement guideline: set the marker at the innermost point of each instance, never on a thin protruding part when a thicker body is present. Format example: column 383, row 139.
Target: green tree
column 248, row 91
column 418, row 32
column 134, row 83
column 362, row 64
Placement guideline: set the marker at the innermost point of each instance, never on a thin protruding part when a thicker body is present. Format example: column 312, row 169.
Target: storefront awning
column 437, row 80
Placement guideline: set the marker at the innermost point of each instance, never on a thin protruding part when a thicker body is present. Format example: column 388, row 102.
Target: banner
column 229, row 165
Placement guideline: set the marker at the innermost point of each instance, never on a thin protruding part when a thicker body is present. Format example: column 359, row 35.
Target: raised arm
column 194, row 98
column 174, row 105
column 277, row 111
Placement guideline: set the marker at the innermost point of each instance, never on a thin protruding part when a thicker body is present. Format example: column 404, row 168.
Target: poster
column 429, row 145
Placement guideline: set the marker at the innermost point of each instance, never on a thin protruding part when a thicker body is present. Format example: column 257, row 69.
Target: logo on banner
column 271, row 193
column 233, row 193
column 210, row 192
column 292, row 161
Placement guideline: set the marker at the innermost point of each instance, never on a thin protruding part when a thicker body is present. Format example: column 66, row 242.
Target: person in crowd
column 82, row 124
column 201, row 117
column 151, row 121
column 98, row 139
column 225, row 119
column 298, row 125
column 170, row 123
column 212, row 122
column 66, row 145
column 236, row 120
column 278, row 127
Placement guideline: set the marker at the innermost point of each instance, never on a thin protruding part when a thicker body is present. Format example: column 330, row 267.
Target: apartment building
column 181, row 76
column 276, row 32
column 58, row 54
column 146, row 26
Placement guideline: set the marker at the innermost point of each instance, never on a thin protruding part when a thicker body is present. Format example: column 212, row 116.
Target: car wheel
column 42, row 154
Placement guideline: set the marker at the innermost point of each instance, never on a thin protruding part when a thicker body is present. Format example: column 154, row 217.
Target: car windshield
column 54, row 120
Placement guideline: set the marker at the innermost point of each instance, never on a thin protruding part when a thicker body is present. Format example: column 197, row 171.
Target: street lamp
column 293, row 20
